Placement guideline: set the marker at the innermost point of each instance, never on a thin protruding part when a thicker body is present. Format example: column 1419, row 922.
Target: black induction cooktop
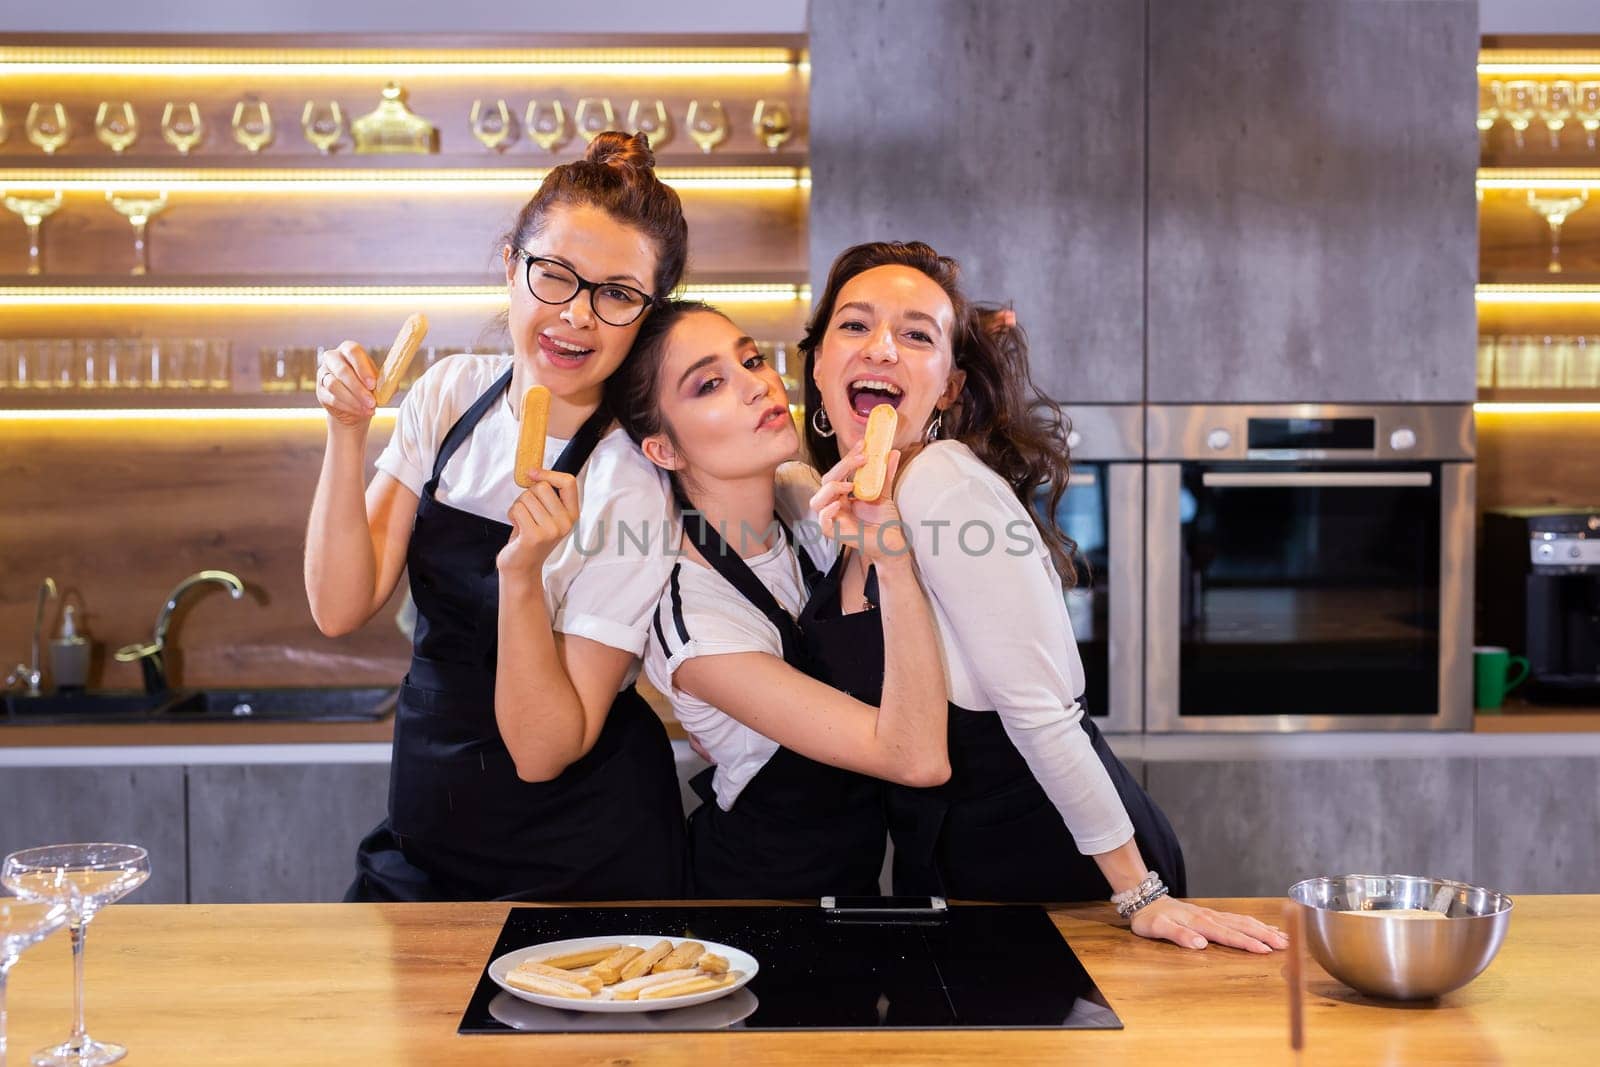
column 974, row 967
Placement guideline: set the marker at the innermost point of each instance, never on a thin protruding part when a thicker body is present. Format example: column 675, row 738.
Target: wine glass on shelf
column 85, row 878
column 493, row 126
column 773, row 123
column 547, row 124
column 1519, row 103
column 708, row 124
column 48, row 126
column 1556, row 108
column 650, row 117
column 116, row 124
column 23, row 924
column 594, row 117
column 1586, row 109
column 138, row 208
column 1488, row 109
column 252, row 123
column 1556, row 208
column 323, row 123
column 181, row 126
column 34, row 209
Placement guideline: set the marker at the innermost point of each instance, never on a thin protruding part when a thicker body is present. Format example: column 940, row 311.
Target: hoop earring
column 820, row 423
column 934, row 428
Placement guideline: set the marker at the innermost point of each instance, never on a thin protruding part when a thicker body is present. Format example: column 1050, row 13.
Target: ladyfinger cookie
column 682, row 956
column 405, row 346
column 711, row 963
column 589, row 981
column 701, row 984
column 581, row 958
column 553, row 987
column 609, row 970
column 642, row 964
column 629, row 990
column 530, row 441
column 881, row 426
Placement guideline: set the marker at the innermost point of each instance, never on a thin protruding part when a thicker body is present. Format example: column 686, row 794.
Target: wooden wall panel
column 374, row 238
column 1538, row 460
column 445, row 101
column 118, row 512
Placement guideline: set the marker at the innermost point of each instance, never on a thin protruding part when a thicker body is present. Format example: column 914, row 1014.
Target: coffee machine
column 1539, row 596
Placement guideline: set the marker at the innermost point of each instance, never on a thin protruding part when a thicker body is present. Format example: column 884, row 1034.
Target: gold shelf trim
column 18, row 61
column 291, row 181
column 1499, row 407
column 1538, row 294
column 1539, row 178
column 193, row 414
column 337, row 296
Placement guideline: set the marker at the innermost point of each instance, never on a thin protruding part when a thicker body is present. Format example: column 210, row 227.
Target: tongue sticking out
column 864, row 399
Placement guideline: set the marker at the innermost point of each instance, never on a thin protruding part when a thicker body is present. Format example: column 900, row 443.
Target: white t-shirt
column 603, row 581
column 1003, row 625
column 701, row 614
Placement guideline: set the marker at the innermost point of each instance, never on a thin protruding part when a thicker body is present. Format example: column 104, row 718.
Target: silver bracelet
column 1148, row 891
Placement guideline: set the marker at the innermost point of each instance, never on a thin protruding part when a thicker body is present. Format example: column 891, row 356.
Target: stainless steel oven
column 1102, row 510
column 1309, row 567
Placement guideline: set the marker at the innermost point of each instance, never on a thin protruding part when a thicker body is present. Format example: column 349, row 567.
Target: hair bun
column 617, row 149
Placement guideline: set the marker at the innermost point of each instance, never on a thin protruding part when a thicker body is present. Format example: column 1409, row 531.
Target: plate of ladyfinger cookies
column 623, row 974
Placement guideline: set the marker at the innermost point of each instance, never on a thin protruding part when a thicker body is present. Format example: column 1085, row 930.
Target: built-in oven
column 1308, row 567
column 1101, row 511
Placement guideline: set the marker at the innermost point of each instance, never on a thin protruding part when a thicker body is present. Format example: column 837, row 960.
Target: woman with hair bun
column 1037, row 807
column 524, row 761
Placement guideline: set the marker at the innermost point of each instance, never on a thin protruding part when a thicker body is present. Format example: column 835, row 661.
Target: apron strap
column 464, row 427
column 739, row 575
column 571, row 460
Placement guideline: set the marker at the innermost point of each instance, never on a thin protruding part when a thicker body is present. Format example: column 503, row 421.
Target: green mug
column 1493, row 667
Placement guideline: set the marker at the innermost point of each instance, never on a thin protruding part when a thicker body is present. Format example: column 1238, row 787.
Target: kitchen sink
column 333, row 704
column 326, row 704
column 81, row 706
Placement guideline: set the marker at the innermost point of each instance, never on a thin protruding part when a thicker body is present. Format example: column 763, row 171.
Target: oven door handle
column 1315, row 479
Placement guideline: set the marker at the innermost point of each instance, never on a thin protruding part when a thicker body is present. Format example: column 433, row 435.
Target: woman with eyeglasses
column 525, row 763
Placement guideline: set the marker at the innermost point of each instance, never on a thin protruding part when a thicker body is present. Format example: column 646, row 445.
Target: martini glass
column 84, row 878
column 1556, row 209
column 139, row 209
column 23, row 925
column 34, row 210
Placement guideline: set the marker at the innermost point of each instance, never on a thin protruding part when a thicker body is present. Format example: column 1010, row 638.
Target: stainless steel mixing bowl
column 1395, row 957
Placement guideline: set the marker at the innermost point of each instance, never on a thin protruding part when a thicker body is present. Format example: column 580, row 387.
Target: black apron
column 799, row 828
column 462, row 825
column 990, row 832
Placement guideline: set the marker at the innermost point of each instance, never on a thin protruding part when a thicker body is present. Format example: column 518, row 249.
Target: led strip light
column 301, row 182
column 341, row 296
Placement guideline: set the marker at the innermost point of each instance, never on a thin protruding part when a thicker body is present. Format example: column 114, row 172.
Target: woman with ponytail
column 1037, row 807
column 524, row 761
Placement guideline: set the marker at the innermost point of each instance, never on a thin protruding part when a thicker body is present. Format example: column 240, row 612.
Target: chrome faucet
column 30, row 672
column 151, row 657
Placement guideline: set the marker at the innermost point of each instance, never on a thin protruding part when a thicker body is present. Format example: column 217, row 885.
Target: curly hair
column 1017, row 431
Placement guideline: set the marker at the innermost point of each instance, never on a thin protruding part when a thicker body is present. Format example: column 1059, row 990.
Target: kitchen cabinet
column 132, row 805
column 1312, row 225
column 1257, row 826
column 1009, row 135
column 269, row 832
column 1536, row 820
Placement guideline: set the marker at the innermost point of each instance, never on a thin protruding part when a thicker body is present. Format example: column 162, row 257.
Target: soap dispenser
column 69, row 653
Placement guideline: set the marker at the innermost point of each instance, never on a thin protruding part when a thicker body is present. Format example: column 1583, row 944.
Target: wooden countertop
column 386, row 984
column 1517, row 717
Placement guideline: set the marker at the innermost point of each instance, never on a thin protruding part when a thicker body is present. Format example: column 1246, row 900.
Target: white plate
column 739, row 961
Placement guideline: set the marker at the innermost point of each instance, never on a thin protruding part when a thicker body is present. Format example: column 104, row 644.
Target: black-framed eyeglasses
column 553, row 282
